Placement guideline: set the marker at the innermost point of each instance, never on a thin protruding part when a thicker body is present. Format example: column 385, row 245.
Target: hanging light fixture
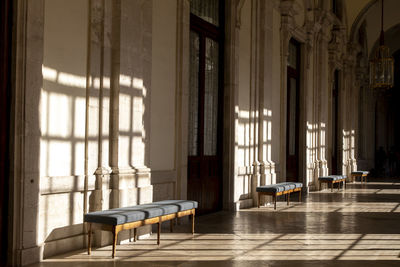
column 381, row 67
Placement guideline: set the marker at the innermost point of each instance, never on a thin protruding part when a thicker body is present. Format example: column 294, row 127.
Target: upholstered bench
column 116, row 220
column 362, row 174
column 279, row 189
column 332, row 179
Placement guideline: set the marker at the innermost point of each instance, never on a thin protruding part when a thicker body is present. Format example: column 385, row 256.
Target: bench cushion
column 139, row 212
column 298, row 185
column 339, row 177
column 280, row 187
column 290, row 184
column 275, row 188
column 332, row 177
column 360, row 173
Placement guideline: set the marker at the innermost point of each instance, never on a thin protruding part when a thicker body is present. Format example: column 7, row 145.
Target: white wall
column 163, row 87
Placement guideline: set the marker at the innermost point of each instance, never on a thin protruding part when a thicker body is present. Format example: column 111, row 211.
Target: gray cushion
column 290, row 184
column 298, row 185
column 276, row 188
column 338, row 177
column 273, row 188
column 139, row 212
column 327, row 178
column 332, row 177
column 360, row 172
column 181, row 204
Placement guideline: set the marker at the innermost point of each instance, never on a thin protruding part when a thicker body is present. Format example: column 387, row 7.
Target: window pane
column 194, row 94
column 211, row 98
column 206, row 9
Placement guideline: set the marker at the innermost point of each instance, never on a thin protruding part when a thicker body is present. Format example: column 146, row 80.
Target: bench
column 276, row 190
column 362, row 174
column 332, row 179
column 116, row 220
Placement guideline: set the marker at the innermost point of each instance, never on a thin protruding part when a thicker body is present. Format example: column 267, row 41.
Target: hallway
column 355, row 227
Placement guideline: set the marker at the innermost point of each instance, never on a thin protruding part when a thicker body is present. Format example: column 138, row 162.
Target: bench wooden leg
column 115, row 233
column 89, row 248
column 274, row 201
column 158, row 232
column 258, row 200
column 171, row 225
column 193, row 222
column 134, row 235
column 288, row 198
column 300, row 196
column 331, row 186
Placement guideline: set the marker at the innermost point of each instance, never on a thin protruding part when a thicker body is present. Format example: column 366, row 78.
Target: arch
column 360, row 17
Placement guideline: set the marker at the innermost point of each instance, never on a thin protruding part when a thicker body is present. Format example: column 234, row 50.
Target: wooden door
column 204, row 157
column 292, row 119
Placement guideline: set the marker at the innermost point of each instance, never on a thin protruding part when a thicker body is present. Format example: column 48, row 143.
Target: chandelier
column 381, row 67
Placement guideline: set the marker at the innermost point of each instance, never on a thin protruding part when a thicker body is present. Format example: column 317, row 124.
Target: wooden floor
column 359, row 226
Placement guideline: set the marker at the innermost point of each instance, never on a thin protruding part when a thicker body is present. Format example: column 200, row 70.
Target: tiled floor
column 356, row 227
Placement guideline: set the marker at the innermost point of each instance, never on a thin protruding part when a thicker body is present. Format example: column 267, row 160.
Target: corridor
column 355, row 227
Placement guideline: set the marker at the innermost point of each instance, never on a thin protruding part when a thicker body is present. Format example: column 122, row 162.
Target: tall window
column 204, row 77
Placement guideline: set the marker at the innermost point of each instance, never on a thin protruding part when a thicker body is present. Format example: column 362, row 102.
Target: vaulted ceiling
column 354, row 8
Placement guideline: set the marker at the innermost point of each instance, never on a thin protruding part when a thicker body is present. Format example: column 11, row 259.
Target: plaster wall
column 163, row 85
column 163, row 96
column 276, row 89
column 244, row 156
column 94, row 129
column 62, row 124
